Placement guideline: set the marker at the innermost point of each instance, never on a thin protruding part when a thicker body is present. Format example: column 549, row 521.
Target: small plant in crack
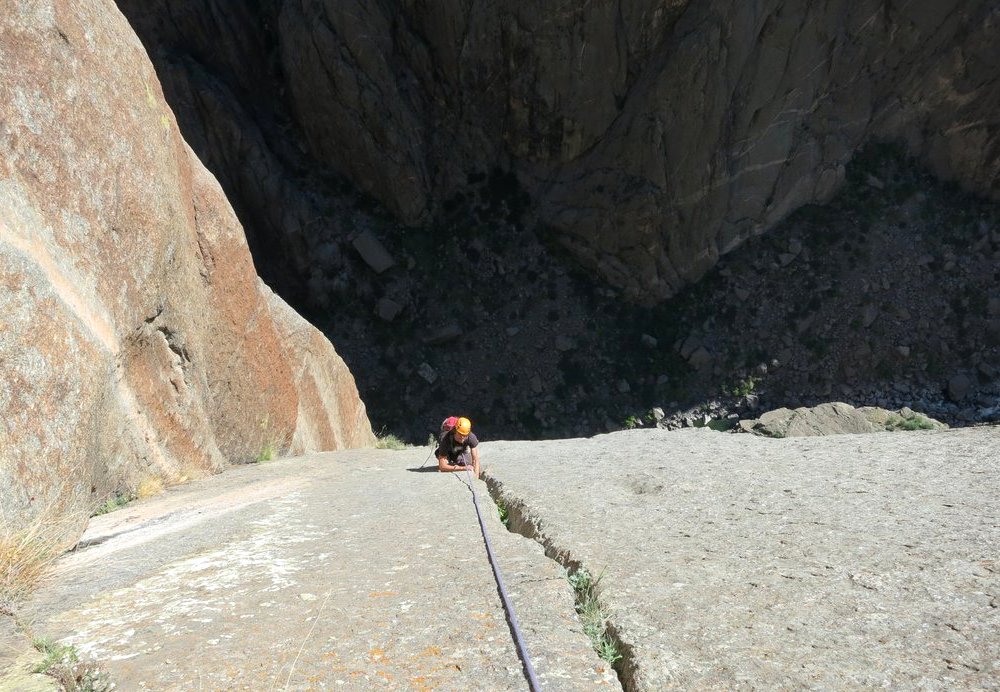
column 502, row 511
column 592, row 614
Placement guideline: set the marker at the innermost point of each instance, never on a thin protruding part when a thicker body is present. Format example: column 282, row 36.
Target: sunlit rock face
column 135, row 338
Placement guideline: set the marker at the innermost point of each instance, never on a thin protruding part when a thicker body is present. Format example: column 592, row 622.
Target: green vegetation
column 271, row 442
column 743, row 387
column 592, row 614
column 63, row 663
column 721, row 424
column 502, row 511
column 632, row 422
column 267, row 452
column 384, row 440
column 116, row 502
column 917, row 422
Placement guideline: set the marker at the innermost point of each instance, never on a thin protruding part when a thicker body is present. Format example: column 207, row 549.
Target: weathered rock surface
column 727, row 561
column 255, row 579
column 652, row 137
column 136, row 341
column 836, row 418
column 739, row 562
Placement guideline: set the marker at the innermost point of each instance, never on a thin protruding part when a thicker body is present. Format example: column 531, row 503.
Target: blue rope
column 522, row 650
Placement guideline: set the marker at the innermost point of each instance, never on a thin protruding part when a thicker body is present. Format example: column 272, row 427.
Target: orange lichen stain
column 357, row 673
column 483, row 616
column 376, row 655
column 330, row 654
column 421, row 684
column 430, row 651
column 382, row 594
column 384, row 675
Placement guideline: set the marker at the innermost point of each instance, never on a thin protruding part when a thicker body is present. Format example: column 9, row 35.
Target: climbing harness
column 522, row 650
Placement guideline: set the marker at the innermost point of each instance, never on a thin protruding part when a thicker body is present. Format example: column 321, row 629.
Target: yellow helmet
column 463, row 426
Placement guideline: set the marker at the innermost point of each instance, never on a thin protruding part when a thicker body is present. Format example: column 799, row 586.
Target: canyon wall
column 137, row 343
column 652, row 136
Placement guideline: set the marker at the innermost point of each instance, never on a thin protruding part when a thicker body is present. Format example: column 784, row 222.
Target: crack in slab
column 519, row 522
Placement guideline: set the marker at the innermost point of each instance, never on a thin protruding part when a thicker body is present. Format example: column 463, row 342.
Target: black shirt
column 451, row 448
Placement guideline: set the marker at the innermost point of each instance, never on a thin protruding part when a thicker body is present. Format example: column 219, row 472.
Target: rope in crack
column 515, row 628
column 456, row 451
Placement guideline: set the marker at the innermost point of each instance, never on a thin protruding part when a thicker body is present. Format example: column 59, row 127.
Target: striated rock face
column 652, row 135
column 135, row 339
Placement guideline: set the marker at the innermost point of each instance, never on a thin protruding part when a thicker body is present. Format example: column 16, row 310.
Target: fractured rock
column 373, row 252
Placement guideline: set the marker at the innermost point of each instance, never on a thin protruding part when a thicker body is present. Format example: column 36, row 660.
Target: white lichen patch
column 208, row 590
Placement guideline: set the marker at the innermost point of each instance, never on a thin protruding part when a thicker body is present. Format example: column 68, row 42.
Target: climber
column 456, row 450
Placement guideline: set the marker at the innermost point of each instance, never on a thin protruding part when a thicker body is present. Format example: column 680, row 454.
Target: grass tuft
column 268, row 451
column 149, row 486
column 592, row 615
column 271, row 444
column 113, row 503
column 63, row 664
column 917, row 422
column 26, row 553
column 386, row 440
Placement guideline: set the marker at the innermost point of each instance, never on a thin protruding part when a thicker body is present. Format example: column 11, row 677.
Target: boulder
column 564, row 343
column 427, row 372
column 388, row 309
column 701, row 358
column 959, row 387
column 836, row 418
column 373, row 252
column 137, row 341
